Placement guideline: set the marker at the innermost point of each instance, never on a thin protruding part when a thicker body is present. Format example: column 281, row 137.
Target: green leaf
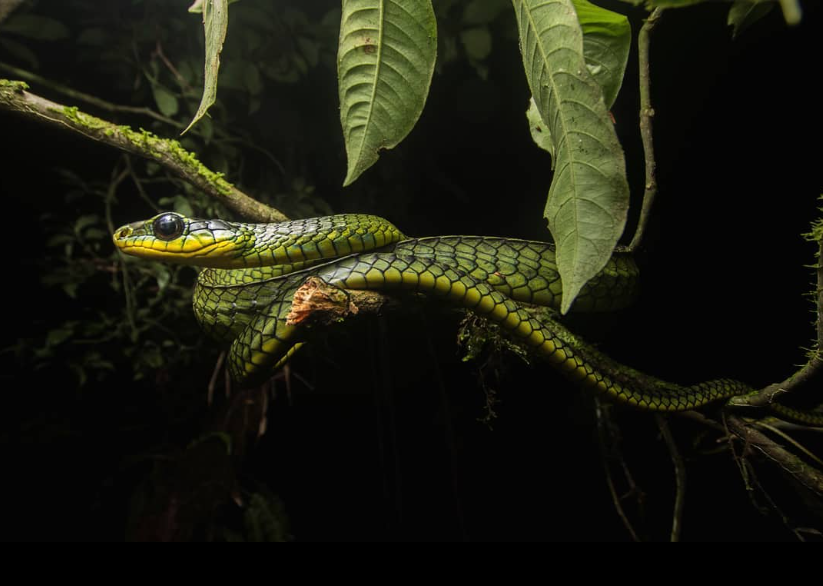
column 166, row 101
column 96, row 234
column 163, row 278
column 215, row 22
column 607, row 39
column 59, row 240
column 58, row 336
column 539, row 130
column 606, row 43
column 745, row 13
column 589, row 196
column 385, row 63
column 38, row 28
column 477, row 41
column 251, row 78
column 84, row 222
column 70, row 289
column 310, row 50
column 152, row 357
column 792, row 12
column 182, row 206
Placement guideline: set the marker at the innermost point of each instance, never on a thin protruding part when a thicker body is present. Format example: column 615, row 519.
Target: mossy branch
column 14, row 97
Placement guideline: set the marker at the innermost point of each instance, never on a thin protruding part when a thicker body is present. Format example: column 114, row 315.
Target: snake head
column 175, row 238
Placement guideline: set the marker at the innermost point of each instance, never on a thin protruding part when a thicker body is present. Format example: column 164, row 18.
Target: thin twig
column 213, row 380
column 646, row 133
column 603, row 436
column 679, row 475
column 79, row 96
column 754, row 440
column 794, row 466
column 111, row 194
column 800, row 447
column 169, row 153
column 703, row 420
column 158, row 52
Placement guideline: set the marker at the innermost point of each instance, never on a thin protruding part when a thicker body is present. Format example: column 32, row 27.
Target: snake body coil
column 245, row 295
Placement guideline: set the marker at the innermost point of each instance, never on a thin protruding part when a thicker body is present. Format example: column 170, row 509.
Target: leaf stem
column 646, row 129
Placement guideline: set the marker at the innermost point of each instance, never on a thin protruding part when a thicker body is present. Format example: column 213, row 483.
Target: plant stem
column 646, row 129
column 679, row 475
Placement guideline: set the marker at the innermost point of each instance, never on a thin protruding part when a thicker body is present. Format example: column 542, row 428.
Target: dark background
column 385, row 443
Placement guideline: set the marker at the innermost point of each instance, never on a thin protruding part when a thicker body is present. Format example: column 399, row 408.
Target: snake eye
column 168, row 226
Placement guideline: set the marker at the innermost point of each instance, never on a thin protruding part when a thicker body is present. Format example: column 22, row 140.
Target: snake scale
column 252, row 271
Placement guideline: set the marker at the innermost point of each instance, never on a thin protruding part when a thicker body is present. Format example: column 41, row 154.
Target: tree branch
column 169, row 153
column 646, row 133
column 787, row 462
column 318, row 303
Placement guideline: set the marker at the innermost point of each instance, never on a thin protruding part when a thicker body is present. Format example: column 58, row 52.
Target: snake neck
column 301, row 241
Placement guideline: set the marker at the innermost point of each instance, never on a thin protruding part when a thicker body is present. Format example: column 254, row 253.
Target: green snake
column 252, row 271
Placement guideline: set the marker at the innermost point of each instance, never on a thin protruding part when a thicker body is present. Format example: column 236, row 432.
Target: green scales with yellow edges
column 252, row 272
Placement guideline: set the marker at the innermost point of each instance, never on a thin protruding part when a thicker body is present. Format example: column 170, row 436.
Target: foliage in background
column 151, row 60
column 148, row 53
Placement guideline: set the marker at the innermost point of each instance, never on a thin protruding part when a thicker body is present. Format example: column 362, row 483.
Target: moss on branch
column 15, row 97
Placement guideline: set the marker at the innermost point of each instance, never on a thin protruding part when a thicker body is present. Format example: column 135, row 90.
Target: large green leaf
column 589, row 196
column 744, row 13
column 607, row 39
column 384, row 66
column 215, row 22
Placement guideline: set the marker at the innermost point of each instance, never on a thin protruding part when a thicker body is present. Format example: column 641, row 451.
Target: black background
column 386, row 444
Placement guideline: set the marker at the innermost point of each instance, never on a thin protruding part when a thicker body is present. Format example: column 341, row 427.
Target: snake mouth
column 121, row 234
